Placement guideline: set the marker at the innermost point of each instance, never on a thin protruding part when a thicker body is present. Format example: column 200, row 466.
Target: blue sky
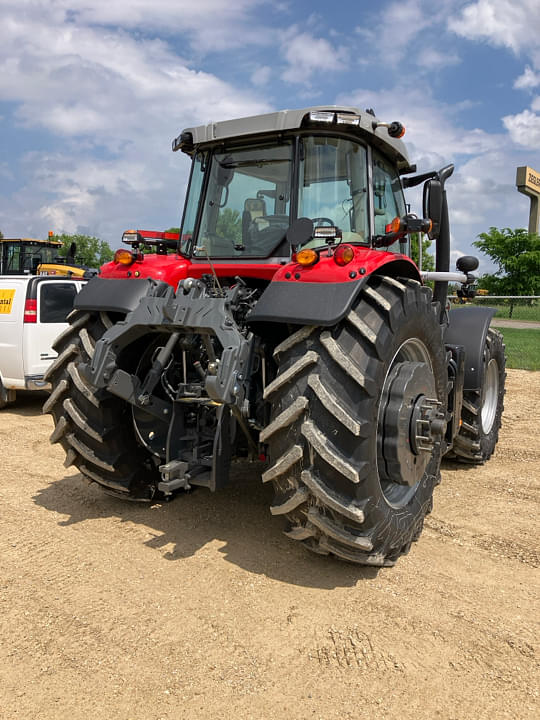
column 93, row 91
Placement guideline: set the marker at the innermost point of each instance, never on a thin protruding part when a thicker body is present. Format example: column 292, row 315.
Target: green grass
column 521, row 312
column 522, row 348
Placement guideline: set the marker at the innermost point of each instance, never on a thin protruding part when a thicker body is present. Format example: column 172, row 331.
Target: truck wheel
column 358, row 416
column 7, row 397
column 482, row 409
column 94, row 427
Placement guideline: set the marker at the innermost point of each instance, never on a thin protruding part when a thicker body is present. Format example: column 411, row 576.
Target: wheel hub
column 411, row 423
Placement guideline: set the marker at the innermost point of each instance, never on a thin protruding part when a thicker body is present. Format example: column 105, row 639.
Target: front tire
column 349, row 475
column 481, row 414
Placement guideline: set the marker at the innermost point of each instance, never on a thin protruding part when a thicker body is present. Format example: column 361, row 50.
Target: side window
column 388, row 201
column 192, row 205
column 56, row 301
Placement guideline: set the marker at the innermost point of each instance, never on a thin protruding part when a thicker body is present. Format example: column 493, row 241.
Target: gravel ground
column 201, row 608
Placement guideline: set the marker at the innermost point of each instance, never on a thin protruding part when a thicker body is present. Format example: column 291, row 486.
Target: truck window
column 56, row 301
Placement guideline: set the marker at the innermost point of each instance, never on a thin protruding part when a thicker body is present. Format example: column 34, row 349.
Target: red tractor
column 286, row 322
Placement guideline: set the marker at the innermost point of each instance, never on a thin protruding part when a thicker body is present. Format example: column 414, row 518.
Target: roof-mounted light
column 330, row 117
column 131, row 236
column 348, row 119
column 322, row 116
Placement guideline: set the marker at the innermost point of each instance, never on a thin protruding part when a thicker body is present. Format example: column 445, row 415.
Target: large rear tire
column 350, row 476
column 481, row 414
column 93, row 426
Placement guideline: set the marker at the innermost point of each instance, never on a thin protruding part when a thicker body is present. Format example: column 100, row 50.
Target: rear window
column 56, row 302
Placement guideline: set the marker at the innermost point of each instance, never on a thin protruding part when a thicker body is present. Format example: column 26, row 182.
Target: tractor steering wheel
column 316, row 221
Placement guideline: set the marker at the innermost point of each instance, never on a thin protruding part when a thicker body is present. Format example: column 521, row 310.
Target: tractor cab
column 23, row 256
column 335, row 166
column 30, row 256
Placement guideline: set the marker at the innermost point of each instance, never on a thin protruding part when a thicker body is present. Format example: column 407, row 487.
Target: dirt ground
column 201, row 608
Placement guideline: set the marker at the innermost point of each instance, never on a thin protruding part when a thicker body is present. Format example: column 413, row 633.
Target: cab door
column 54, row 302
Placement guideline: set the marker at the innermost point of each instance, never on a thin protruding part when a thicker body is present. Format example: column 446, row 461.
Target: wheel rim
column 490, row 395
column 397, row 494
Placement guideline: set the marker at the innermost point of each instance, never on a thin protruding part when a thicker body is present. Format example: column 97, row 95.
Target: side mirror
column 300, row 232
column 467, row 263
column 432, row 205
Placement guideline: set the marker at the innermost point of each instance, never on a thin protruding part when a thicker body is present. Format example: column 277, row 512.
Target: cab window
column 247, row 203
column 333, row 186
column 388, row 201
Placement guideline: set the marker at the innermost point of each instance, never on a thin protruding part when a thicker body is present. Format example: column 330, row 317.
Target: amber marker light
column 123, row 256
column 394, row 226
column 343, row 254
column 307, row 257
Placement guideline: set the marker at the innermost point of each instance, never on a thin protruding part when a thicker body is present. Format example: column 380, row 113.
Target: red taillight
column 343, row 254
column 30, row 311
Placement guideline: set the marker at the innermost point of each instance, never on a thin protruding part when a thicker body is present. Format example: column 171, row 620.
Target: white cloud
column 404, row 28
column 306, row 55
column 206, row 24
column 261, row 75
column 505, row 23
column 433, row 59
column 524, row 129
column 116, row 100
column 528, row 80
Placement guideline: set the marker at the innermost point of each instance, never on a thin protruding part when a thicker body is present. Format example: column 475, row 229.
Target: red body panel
column 173, row 268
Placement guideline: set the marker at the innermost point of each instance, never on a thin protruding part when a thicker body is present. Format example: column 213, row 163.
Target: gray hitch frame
column 226, row 381
column 192, row 310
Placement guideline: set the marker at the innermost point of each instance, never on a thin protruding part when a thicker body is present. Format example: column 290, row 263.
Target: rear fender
column 320, row 303
column 116, row 295
column 468, row 327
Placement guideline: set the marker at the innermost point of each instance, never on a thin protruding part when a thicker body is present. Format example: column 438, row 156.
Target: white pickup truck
column 33, row 311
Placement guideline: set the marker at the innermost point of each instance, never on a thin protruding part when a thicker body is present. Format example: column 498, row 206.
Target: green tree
column 517, row 255
column 90, row 251
column 1, row 235
column 428, row 261
column 229, row 226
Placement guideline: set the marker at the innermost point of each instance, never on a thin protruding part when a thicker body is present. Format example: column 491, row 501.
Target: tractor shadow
column 236, row 515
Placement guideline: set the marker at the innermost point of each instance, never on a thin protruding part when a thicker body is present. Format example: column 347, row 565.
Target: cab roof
column 22, row 241
column 284, row 120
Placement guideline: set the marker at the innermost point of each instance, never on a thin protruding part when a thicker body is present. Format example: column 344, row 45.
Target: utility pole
column 528, row 183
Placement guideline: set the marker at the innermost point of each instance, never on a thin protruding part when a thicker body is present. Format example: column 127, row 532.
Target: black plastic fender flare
column 116, row 294
column 469, row 327
column 306, row 303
